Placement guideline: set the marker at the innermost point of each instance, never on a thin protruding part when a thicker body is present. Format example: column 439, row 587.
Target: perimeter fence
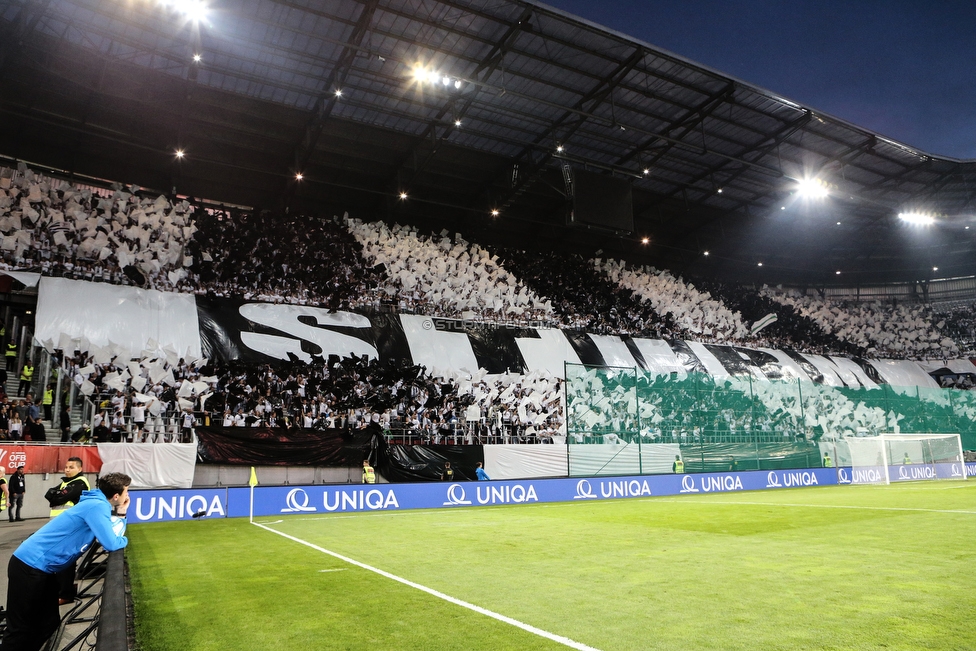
column 630, row 421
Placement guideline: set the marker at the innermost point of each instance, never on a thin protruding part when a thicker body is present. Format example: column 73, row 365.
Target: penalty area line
column 565, row 641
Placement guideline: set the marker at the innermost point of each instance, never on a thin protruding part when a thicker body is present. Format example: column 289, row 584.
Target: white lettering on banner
column 178, row 508
column 359, row 500
column 17, row 459
column 772, row 480
column 297, row 502
column 971, row 469
column 865, row 475
column 956, row 472
column 584, row 491
column 506, row 494
column 916, row 472
column 721, row 483
column 800, row 479
column 842, row 477
column 287, row 318
column 688, row 484
column 623, row 488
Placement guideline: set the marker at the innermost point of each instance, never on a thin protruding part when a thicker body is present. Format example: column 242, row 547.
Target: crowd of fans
column 122, row 235
column 93, row 233
column 585, row 299
column 446, row 276
column 882, row 329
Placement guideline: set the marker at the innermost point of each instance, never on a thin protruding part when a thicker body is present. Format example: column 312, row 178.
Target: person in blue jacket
column 480, row 472
column 32, row 573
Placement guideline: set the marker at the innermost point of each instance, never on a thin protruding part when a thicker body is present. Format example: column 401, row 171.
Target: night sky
column 905, row 69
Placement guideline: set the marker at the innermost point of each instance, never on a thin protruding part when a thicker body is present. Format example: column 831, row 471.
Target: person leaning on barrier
column 678, row 467
column 369, row 475
column 32, row 573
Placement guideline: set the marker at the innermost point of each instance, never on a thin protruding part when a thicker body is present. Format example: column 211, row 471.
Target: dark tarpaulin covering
column 251, row 446
column 725, row 457
column 415, row 463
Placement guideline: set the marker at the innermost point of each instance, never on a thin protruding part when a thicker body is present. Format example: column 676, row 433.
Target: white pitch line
column 335, row 569
column 565, row 641
column 824, row 506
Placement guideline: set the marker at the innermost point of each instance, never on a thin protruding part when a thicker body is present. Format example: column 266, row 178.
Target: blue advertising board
column 160, row 506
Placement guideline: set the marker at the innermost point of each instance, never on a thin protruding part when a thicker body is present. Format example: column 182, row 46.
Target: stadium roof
column 469, row 106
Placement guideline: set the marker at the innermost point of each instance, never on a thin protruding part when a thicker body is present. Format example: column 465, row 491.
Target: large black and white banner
column 133, row 321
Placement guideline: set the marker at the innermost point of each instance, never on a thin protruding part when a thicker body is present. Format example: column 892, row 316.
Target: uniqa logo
column 916, row 472
column 455, row 496
column 721, row 483
column 800, row 478
column 584, row 491
column 866, row 475
column 842, row 476
column 772, row 480
column 506, row 494
column 624, row 488
column 357, row 500
column 178, row 507
column 688, row 484
column 955, row 470
column 297, row 502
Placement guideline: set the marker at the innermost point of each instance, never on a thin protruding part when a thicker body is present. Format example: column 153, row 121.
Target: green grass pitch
column 871, row 567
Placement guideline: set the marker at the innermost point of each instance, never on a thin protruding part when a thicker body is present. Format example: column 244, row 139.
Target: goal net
column 890, row 458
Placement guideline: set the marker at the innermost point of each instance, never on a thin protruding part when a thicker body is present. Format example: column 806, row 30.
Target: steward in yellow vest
column 10, row 352
column 678, row 467
column 369, row 475
column 25, row 379
column 827, row 461
column 68, row 492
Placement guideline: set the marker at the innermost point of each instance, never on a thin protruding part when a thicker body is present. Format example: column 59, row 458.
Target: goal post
column 887, row 458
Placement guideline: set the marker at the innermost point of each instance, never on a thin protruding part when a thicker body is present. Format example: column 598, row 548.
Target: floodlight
column 180, row 153
column 403, row 195
column 299, row 176
column 338, row 92
column 705, row 253
column 837, row 273
column 494, row 212
column 559, row 148
column 457, row 123
column 194, row 10
column 838, row 223
column 719, row 190
column 812, row 188
column 917, row 218
column 935, row 268
column 760, row 264
column 457, row 84
column 647, row 171
column 197, row 58
column 645, row 240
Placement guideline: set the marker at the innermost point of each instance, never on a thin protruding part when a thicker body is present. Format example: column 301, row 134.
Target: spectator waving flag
column 763, row 322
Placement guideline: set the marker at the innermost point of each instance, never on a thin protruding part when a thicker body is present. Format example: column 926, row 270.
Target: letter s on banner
column 286, row 319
